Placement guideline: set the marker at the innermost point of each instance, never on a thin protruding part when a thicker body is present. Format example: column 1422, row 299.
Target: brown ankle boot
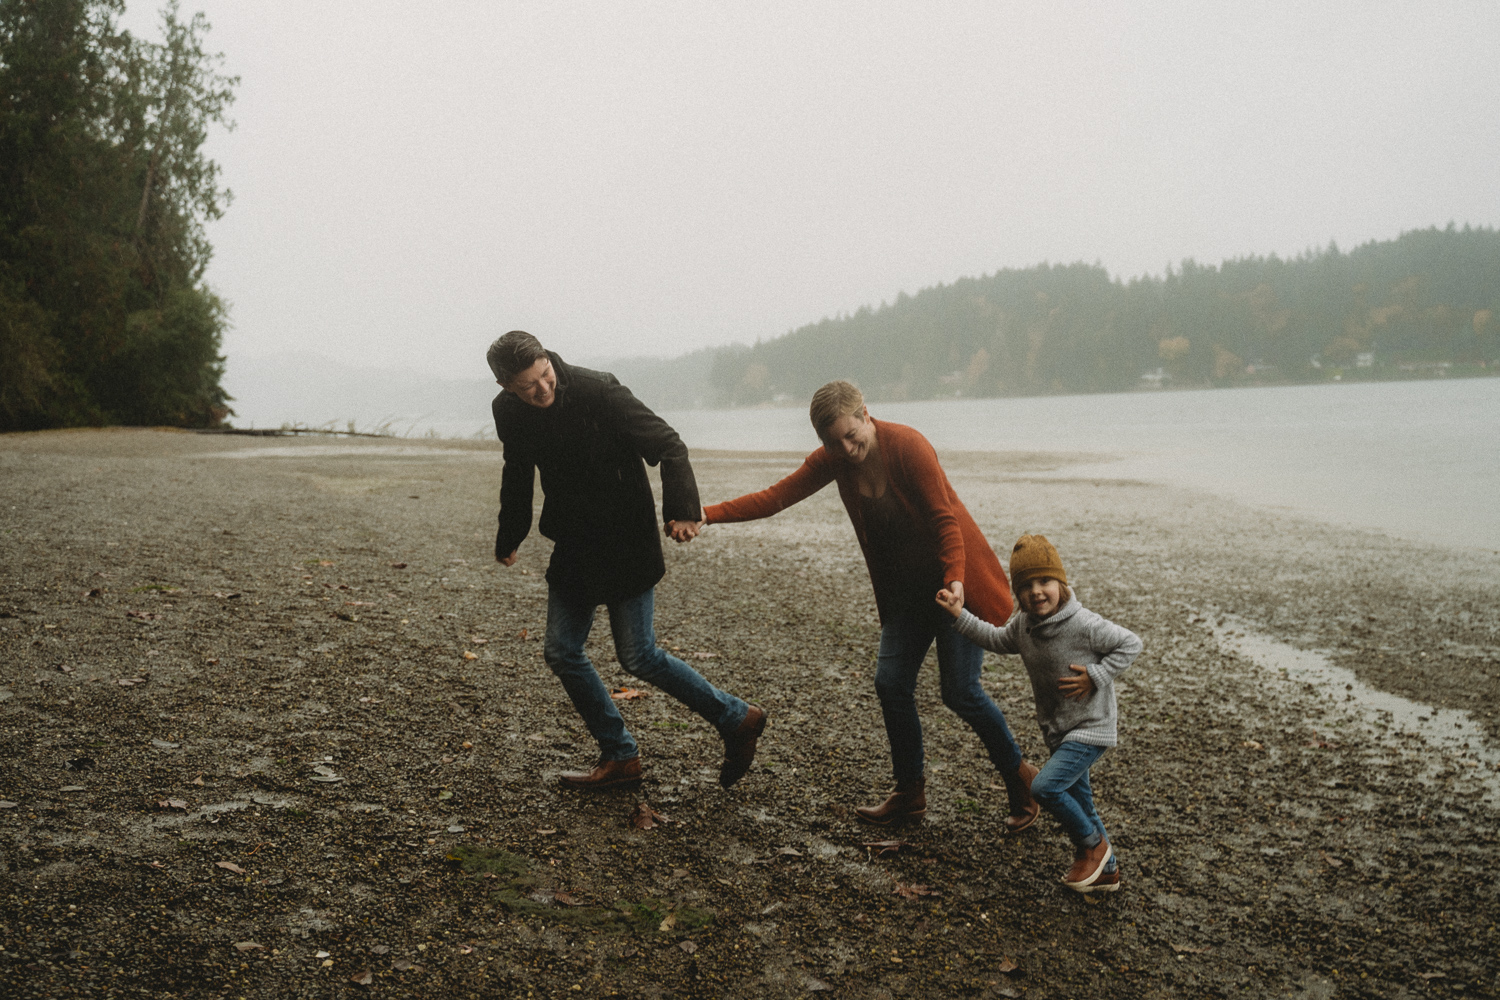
column 907, row 804
column 605, row 774
column 1023, row 808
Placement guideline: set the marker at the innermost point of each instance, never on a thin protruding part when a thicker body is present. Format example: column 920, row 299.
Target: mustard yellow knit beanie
column 1034, row 556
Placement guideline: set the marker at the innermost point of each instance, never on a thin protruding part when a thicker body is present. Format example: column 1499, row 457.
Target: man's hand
column 683, row 531
column 951, row 602
column 509, row 560
column 1080, row 685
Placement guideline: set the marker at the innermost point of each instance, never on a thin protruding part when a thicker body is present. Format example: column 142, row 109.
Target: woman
column 917, row 539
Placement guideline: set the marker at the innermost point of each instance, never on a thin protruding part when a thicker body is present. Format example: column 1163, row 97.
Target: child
column 1073, row 657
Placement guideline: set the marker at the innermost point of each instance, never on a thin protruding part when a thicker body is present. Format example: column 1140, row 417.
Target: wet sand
column 191, row 626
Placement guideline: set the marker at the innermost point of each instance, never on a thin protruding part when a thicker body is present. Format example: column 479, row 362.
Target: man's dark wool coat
column 591, row 447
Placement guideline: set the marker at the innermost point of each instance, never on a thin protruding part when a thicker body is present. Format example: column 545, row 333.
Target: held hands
column 1080, row 685
column 952, row 599
column 684, row 531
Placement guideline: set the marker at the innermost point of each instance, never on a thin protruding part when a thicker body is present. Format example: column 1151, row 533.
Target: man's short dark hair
column 513, row 353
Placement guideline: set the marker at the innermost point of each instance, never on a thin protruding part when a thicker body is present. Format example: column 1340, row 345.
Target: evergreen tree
column 104, row 190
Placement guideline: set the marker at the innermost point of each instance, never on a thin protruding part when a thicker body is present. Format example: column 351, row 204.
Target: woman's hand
column 1080, row 685
column 952, row 599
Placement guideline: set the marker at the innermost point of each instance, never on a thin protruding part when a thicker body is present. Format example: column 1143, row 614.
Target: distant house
column 1364, row 359
column 1156, row 379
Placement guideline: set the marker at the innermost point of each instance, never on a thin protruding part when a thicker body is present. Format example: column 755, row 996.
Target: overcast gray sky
column 651, row 178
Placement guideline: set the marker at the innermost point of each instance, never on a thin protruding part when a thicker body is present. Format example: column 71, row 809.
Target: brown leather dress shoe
column 1023, row 808
column 739, row 747
column 907, row 804
column 605, row 774
column 1088, row 866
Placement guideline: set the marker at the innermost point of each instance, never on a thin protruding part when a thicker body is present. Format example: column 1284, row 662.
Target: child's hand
column 1080, row 685
column 951, row 602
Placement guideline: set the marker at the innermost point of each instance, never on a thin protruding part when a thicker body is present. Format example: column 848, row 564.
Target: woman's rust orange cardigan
column 913, row 472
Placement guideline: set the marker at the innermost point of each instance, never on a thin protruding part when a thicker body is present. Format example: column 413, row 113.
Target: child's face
column 1040, row 596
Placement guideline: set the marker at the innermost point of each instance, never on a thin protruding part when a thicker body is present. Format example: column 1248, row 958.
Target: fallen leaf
column 814, row 985
column 704, row 656
column 668, row 922
column 362, row 978
column 646, row 818
column 145, row 616
column 466, row 949
column 566, row 899
column 325, row 562
column 126, row 682
column 688, row 946
column 380, row 949
column 198, row 780
column 1189, row 949
column 914, row 891
column 320, row 954
column 165, row 745
column 1007, row 966
column 524, row 633
column 403, row 965
column 229, row 866
column 627, row 694
column 883, row 847
column 468, row 655
column 468, row 745
column 1252, row 745
column 7, row 804
column 789, row 852
column 546, row 831
column 1333, row 862
column 444, row 795
column 249, row 946
column 71, row 788
column 64, row 668
column 1433, row 975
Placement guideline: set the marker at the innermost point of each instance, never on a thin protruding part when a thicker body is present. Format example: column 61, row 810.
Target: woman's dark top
column 905, row 551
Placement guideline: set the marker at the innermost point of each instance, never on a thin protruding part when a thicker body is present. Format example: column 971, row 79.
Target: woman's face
column 852, row 436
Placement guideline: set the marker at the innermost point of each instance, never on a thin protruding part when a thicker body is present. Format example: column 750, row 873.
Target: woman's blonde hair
column 834, row 400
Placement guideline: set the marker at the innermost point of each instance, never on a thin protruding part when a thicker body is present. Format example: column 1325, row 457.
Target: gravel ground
column 276, row 725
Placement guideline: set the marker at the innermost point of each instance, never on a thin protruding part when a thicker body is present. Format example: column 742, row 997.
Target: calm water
column 1419, row 460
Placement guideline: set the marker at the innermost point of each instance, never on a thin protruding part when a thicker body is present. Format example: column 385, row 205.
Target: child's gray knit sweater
column 1048, row 646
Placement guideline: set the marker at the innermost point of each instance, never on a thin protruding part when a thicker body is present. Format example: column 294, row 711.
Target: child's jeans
column 1062, row 788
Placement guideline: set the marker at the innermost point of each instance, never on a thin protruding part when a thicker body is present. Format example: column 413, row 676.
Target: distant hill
column 1424, row 304
column 1427, row 302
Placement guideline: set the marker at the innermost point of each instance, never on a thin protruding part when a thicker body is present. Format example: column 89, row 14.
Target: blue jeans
column 1062, row 788
column 904, row 641
column 630, row 621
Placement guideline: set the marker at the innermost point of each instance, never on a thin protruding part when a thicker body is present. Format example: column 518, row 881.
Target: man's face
column 536, row 386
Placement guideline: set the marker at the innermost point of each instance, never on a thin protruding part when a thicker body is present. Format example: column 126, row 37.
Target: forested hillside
column 104, row 316
column 1422, row 304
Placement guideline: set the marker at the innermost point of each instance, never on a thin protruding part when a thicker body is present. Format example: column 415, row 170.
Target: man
column 591, row 439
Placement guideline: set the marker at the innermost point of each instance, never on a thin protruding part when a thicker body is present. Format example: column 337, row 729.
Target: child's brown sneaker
column 1088, row 866
column 1107, row 881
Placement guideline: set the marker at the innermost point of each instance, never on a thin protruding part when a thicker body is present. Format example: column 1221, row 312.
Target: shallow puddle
column 1443, row 737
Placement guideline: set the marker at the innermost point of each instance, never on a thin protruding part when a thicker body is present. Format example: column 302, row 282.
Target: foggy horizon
column 650, row 182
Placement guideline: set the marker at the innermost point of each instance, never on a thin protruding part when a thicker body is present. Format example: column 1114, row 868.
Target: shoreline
column 1272, row 841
